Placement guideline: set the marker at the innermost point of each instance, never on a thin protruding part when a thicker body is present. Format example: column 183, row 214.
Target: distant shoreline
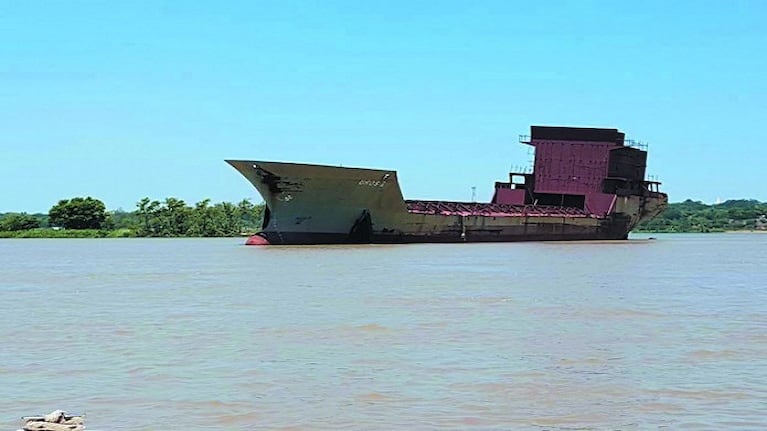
column 47, row 233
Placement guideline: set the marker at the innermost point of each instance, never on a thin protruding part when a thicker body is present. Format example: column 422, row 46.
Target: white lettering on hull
column 372, row 183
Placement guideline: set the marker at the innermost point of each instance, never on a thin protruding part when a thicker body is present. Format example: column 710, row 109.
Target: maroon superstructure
column 579, row 168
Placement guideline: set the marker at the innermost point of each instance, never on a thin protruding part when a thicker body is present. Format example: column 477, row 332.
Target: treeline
column 172, row 217
column 87, row 217
column 694, row 216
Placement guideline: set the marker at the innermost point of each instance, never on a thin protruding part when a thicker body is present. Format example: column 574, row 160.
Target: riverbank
column 42, row 233
column 68, row 233
column 701, row 231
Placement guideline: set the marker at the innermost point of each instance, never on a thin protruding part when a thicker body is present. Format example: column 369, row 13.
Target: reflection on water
column 208, row 334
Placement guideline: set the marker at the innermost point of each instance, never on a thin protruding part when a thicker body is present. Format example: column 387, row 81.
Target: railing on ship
column 494, row 210
column 525, row 139
column 653, row 183
column 635, row 144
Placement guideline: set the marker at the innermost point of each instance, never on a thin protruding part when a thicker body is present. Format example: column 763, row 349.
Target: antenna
column 473, row 193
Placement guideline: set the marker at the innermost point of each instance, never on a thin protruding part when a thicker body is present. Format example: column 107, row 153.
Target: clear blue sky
column 122, row 100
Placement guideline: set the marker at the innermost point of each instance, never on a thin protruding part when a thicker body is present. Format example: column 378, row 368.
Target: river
column 207, row 334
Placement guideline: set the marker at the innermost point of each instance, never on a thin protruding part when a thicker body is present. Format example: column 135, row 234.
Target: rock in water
column 57, row 420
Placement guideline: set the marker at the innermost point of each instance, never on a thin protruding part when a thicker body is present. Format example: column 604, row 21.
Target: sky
column 125, row 100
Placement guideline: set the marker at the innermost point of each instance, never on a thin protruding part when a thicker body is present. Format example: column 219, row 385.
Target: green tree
column 251, row 215
column 175, row 217
column 124, row 220
column 147, row 214
column 228, row 220
column 172, row 218
column 16, row 222
column 692, row 216
column 78, row 213
column 201, row 219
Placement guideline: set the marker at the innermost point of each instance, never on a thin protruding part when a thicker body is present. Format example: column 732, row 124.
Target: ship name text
column 371, row 183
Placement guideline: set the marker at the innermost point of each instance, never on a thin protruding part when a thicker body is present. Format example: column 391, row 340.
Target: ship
column 585, row 184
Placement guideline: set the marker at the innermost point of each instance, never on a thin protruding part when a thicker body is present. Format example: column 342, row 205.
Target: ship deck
column 491, row 210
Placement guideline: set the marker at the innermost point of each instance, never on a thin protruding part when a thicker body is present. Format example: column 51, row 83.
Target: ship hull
column 316, row 238
column 313, row 204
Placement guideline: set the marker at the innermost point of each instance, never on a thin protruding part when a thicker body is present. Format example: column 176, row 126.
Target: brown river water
column 207, row 334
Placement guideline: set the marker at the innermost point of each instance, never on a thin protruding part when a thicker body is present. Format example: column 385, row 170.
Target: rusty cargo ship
column 586, row 184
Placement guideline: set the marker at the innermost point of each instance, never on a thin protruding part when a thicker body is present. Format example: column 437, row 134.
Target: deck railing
column 491, row 210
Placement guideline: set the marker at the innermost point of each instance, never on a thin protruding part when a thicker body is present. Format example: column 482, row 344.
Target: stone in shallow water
column 57, row 420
